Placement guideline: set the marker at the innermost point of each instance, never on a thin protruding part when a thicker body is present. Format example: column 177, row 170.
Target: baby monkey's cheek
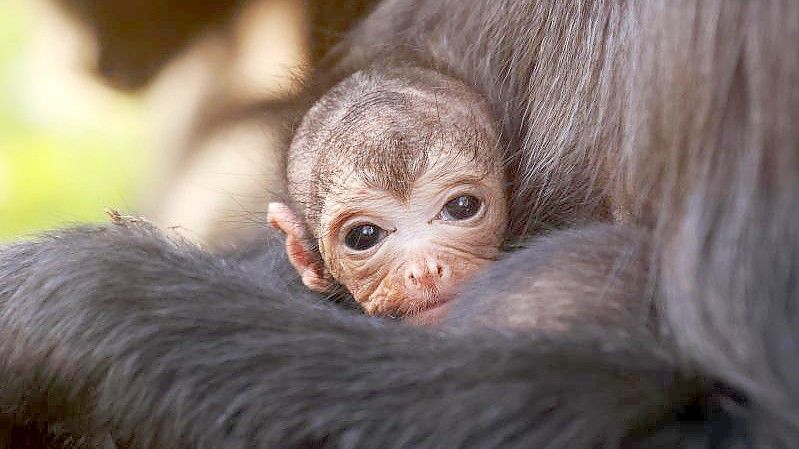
column 388, row 299
column 361, row 279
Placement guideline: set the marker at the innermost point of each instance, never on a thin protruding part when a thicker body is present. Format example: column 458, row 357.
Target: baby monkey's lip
column 431, row 314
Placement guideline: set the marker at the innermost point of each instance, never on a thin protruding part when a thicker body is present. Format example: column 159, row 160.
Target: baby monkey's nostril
column 424, row 274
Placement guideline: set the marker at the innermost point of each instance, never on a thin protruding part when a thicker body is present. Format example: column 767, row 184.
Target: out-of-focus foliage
column 64, row 167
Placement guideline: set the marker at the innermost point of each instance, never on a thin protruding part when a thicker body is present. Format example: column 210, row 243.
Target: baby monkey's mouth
column 418, row 309
column 428, row 311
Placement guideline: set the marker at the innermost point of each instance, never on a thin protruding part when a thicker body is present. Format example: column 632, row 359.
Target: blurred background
column 68, row 145
column 168, row 109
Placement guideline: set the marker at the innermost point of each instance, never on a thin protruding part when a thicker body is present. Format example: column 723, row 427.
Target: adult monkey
column 167, row 346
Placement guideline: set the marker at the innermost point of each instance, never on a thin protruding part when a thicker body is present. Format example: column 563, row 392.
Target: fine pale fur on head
column 373, row 122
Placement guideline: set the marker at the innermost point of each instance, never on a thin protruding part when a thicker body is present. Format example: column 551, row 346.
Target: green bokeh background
column 55, row 173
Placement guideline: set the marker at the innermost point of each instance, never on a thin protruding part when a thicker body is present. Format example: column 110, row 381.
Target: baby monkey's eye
column 365, row 236
column 460, row 208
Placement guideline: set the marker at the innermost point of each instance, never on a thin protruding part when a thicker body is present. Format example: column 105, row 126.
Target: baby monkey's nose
column 426, row 274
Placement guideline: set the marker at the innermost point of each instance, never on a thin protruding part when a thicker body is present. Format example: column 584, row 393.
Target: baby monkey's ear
column 305, row 261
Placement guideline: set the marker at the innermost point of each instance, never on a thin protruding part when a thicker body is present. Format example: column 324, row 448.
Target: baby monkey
column 396, row 192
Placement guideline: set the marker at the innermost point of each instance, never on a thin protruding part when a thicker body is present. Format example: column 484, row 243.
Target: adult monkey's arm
column 119, row 329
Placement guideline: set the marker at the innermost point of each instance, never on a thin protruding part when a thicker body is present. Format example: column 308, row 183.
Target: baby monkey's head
column 396, row 177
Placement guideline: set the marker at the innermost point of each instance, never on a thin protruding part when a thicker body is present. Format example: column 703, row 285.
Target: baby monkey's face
column 407, row 256
column 398, row 177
